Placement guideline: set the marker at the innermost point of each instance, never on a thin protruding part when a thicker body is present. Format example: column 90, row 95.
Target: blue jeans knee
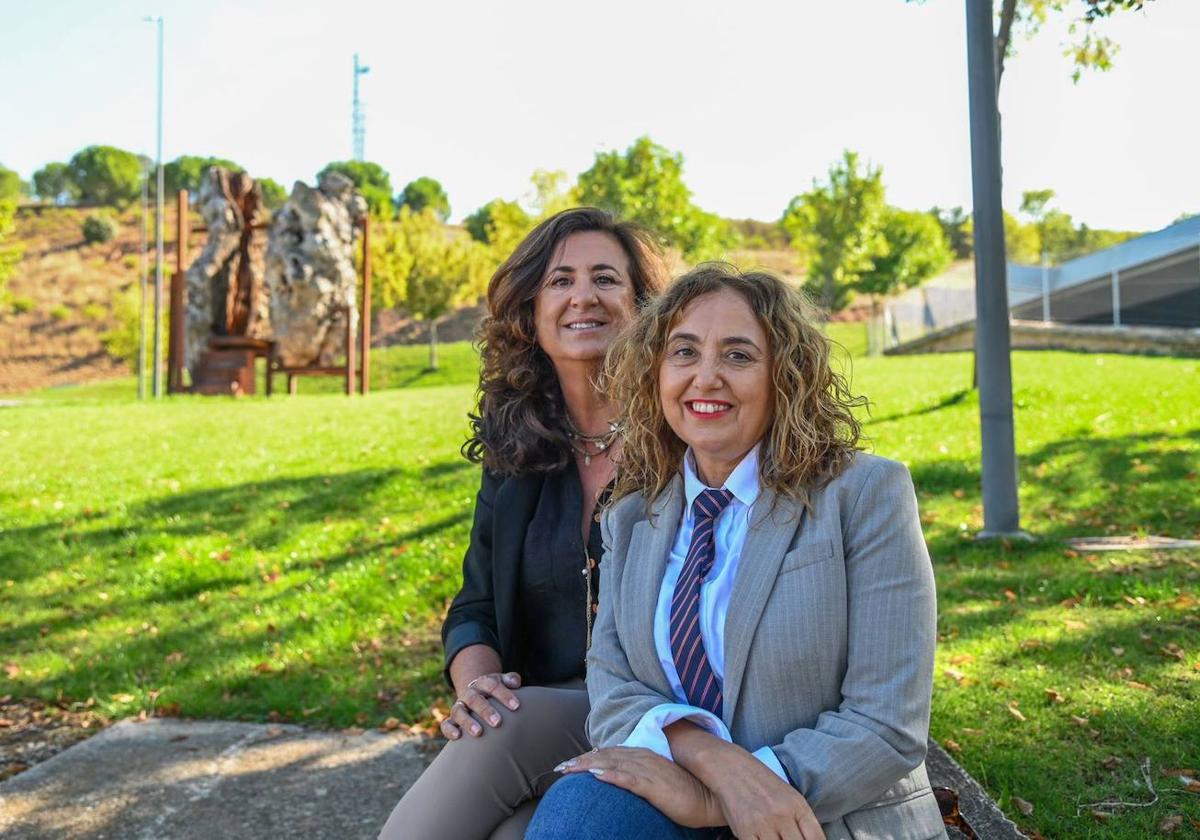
column 582, row 807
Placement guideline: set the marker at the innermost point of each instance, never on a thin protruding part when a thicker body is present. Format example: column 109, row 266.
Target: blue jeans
column 581, row 807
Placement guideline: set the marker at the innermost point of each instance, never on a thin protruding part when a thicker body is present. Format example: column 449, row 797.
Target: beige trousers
column 487, row 788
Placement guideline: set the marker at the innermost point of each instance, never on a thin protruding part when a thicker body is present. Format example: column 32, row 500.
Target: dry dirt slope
column 62, row 297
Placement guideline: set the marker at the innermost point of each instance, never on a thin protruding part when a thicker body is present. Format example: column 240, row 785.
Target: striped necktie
column 700, row 684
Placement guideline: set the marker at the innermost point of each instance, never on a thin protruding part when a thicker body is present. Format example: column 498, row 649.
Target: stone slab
column 188, row 780
column 167, row 779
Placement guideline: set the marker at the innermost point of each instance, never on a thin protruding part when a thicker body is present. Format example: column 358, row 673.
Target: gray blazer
column 829, row 643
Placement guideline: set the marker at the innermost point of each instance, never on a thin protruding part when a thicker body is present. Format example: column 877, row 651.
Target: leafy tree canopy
column 10, row 254
column 11, row 185
column 425, row 192
column 645, row 184
column 187, row 171
column 273, row 193
column 106, row 175
column 371, row 180
column 53, row 183
column 916, row 250
column 836, row 227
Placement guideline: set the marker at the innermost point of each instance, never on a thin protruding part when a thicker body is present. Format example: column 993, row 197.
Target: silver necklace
column 602, row 442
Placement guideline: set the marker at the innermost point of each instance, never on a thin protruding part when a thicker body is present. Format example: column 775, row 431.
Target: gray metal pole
column 1001, row 512
column 143, row 298
column 158, row 229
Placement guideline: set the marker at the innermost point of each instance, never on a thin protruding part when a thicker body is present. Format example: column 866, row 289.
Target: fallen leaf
column 123, row 698
column 1079, row 721
column 1029, row 644
column 1136, row 684
column 263, row 667
column 1069, row 603
column 168, row 710
column 1072, row 624
column 1117, row 651
column 5, row 723
column 1170, row 823
column 951, row 745
column 1010, row 595
column 1192, row 787
column 1053, row 696
column 174, row 657
column 1111, row 762
column 954, row 674
column 273, row 731
column 1101, row 816
column 353, row 731
column 1172, row 650
column 390, row 724
column 1015, row 712
column 961, row 659
column 13, row 670
column 1177, row 771
column 1026, row 808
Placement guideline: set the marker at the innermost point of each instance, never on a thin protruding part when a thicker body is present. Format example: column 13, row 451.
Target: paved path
column 165, row 779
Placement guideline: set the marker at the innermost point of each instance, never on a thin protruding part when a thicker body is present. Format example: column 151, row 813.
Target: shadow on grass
column 1083, row 486
column 223, row 617
column 947, row 401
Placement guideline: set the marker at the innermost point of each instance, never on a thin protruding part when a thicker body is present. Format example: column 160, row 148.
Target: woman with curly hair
column 516, row 634
column 763, row 657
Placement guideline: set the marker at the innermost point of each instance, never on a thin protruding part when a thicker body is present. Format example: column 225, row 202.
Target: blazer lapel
column 773, row 523
column 645, row 563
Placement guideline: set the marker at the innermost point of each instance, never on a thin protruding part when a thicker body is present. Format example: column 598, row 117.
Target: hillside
column 63, row 296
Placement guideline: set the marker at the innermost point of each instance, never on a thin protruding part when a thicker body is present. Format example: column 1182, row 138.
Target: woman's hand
column 661, row 782
column 475, row 704
column 756, row 802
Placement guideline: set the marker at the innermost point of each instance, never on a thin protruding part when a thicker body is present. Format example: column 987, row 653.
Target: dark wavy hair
column 518, row 424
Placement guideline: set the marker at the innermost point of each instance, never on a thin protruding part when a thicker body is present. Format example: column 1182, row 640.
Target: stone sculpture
column 225, row 295
column 310, row 276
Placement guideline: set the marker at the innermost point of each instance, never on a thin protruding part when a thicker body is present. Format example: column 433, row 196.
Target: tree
column 499, row 224
column 645, row 185
column 53, row 183
column 836, row 227
column 273, row 193
column 106, row 175
column 187, row 171
column 954, row 225
column 371, row 180
column 11, row 185
column 551, row 192
column 419, row 263
column 915, row 250
column 425, row 192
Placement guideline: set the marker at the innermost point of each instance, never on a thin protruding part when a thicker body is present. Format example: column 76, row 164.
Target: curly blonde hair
column 813, row 432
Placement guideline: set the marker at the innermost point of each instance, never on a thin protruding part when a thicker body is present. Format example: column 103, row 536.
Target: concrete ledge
column 1038, row 335
column 981, row 813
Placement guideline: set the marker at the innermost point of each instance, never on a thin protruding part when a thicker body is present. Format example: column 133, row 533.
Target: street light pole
column 158, row 224
column 1001, row 511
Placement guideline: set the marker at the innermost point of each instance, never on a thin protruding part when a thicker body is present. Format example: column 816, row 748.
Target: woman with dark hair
column 516, row 635
column 763, row 655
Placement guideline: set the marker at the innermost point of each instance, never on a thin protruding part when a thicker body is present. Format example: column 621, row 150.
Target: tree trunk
column 433, row 359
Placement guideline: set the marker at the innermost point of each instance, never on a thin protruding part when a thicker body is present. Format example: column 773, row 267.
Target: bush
column 121, row 341
column 59, row 312
column 23, row 304
column 99, row 228
column 95, row 312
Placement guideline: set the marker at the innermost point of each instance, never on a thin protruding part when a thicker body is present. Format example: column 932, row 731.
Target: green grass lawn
column 291, row 559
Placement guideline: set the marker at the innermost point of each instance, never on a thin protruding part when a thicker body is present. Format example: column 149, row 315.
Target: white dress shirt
column 729, row 535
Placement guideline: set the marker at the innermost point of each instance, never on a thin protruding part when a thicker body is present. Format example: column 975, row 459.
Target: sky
column 759, row 97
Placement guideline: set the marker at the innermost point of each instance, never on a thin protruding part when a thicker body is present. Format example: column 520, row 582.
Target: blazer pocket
column 806, row 554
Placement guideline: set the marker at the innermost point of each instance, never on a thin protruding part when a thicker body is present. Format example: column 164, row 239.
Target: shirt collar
column 742, row 482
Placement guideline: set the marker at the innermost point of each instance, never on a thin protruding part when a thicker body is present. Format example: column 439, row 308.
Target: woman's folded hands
column 729, row 786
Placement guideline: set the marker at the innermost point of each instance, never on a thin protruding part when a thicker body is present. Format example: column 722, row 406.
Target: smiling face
column 715, row 382
column 586, row 297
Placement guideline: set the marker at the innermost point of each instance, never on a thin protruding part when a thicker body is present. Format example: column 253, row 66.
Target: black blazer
column 483, row 612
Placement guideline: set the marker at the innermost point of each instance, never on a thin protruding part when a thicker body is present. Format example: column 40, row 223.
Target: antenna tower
column 358, row 117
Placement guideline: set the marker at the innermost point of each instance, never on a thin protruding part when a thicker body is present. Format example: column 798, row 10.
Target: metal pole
column 142, row 279
column 1001, row 512
column 1045, row 287
column 1116, row 297
column 158, row 227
